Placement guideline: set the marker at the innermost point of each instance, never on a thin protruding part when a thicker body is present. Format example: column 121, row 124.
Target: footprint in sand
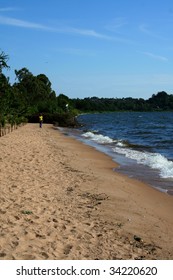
column 67, row 249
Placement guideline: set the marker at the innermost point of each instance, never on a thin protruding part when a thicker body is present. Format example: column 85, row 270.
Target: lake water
column 140, row 142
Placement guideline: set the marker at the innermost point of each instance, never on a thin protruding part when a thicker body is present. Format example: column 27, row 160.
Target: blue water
column 142, row 143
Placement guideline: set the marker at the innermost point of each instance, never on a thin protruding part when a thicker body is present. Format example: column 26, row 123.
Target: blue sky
column 103, row 48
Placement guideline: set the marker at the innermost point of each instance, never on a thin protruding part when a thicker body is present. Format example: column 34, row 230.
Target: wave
column 135, row 152
column 99, row 138
column 153, row 160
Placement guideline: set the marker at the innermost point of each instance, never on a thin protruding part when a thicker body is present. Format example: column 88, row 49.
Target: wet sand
column 61, row 199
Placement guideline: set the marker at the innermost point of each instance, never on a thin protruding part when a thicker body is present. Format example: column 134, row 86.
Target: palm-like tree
column 3, row 61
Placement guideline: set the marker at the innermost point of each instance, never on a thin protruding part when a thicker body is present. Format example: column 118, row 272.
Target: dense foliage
column 31, row 95
column 159, row 102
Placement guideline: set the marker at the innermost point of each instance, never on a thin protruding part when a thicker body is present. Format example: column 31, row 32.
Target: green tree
column 3, row 61
column 62, row 101
column 159, row 101
column 22, row 74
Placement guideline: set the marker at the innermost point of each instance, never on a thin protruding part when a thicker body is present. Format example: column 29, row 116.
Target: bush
column 64, row 120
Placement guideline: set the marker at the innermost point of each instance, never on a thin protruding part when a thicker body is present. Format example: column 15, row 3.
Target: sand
column 61, row 199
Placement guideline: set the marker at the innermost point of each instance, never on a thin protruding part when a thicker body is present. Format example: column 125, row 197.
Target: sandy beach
column 61, row 199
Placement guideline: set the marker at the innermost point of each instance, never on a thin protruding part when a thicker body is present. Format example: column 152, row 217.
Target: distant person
column 41, row 120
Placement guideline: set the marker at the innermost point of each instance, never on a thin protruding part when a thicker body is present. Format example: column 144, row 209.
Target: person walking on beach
column 41, row 120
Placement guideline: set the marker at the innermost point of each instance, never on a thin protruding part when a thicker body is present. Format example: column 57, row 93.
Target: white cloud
column 77, row 52
column 21, row 23
column 9, row 9
column 154, row 56
column 116, row 24
column 26, row 24
column 69, row 30
column 84, row 32
column 145, row 29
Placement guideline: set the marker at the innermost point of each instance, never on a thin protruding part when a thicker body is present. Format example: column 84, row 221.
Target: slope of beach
column 60, row 199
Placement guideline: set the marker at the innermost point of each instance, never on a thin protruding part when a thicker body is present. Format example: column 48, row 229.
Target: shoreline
column 124, row 165
column 61, row 199
column 142, row 150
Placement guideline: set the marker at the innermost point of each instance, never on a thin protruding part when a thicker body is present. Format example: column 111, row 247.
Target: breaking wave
column 155, row 161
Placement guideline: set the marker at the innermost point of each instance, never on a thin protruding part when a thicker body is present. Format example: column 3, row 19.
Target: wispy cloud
column 154, row 56
column 8, row 9
column 84, row 32
column 68, row 30
column 116, row 24
column 146, row 30
column 77, row 52
column 143, row 28
column 21, row 23
column 26, row 24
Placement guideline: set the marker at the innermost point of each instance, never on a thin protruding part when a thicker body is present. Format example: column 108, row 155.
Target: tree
column 22, row 74
column 44, row 86
column 4, row 83
column 159, row 101
column 62, row 100
column 3, row 61
column 25, row 86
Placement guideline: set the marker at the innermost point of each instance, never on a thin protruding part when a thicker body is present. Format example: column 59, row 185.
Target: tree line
column 31, row 95
column 158, row 102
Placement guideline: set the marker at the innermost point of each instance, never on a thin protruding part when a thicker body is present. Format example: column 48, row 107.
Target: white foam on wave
column 153, row 160
column 99, row 138
column 120, row 144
